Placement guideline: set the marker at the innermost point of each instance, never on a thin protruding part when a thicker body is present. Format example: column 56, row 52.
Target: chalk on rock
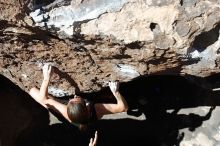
column 35, row 13
column 127, row 70
column 57, row 92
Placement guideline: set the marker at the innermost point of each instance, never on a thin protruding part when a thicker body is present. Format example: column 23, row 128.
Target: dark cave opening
column 135, row 45
column 150, row 95
column 47, row 4
column 43, row 2
column 181, row 2
column 153, row 26
column 38, row 4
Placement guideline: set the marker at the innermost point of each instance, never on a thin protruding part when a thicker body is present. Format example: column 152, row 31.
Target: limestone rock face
column 93, row 41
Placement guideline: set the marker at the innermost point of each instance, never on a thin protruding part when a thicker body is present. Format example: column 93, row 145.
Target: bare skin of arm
column 41, row 96
column 120, row 106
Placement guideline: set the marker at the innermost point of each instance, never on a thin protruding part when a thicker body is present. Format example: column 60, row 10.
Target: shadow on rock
column 159, row 129
column 25, row 122
column 153, row 96
column 163, row 91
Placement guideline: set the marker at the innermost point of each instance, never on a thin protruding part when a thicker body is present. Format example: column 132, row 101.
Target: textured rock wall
column 93, row 41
